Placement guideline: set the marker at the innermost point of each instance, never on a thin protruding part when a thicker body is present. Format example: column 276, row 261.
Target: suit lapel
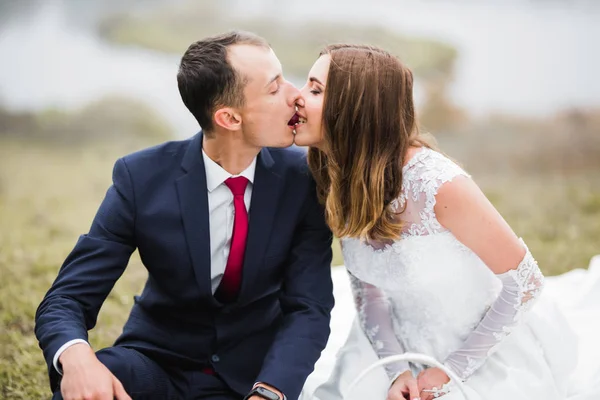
column 193, row 201
column 266, row 191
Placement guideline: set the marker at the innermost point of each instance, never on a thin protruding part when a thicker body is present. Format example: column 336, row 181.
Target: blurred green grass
column 48, row 197
column 53, row 178
column 56, row 167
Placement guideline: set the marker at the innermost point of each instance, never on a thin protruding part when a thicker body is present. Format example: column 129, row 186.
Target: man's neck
column 232, row 153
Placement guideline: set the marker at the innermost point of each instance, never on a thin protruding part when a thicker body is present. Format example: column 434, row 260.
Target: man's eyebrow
column 313, row 79
column 273, row 79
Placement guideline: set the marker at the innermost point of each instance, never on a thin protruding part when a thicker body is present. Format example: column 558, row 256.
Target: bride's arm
column 462, row 208
column 373, row 309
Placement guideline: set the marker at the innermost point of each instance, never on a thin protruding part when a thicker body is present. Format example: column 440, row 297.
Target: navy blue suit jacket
column 277, row 328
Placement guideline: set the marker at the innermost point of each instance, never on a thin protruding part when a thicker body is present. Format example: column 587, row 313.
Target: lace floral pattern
column 422, row 177
column 408, row 291
column 520, row 287
column 529, row 279
column 374, row 314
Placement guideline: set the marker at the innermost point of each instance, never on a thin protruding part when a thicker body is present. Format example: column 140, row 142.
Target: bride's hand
column 429, row 379
column 404, row 388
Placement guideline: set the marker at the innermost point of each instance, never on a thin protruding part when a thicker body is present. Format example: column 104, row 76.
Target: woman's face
column 309, row 131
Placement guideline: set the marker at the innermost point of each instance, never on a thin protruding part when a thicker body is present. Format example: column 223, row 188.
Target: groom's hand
column 86, row 378
column 271, row 388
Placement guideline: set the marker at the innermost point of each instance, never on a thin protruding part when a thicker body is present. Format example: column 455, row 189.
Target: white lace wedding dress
column 428, row 293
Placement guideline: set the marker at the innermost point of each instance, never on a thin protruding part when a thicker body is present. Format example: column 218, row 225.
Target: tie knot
column 237, row 185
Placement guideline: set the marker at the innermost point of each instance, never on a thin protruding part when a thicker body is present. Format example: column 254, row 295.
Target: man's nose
column 295, row 95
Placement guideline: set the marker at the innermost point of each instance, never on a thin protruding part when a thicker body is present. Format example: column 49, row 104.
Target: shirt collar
column 216, row 175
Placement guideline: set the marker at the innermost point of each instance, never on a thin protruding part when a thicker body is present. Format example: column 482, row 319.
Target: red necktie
column 232, row 278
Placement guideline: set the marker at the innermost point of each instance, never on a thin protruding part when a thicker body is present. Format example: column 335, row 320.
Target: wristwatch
column 263, row 393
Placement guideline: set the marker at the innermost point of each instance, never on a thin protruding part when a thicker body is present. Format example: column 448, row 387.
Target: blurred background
column 508, row 87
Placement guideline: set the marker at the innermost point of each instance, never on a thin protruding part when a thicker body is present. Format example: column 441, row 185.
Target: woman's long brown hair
column 368, row 126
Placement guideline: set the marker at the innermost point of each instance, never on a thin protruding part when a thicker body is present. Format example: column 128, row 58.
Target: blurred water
column 48, row 62
column 517, row 56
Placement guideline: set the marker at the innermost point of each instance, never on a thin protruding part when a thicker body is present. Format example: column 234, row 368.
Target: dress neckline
column 415, row 158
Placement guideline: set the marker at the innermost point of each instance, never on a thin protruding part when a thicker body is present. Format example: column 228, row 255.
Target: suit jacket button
column 215, row 358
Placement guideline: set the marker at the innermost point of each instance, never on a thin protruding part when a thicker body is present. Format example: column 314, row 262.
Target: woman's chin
column 303, row 137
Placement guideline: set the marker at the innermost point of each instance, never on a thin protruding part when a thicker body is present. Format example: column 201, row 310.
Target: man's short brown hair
column 207, row 80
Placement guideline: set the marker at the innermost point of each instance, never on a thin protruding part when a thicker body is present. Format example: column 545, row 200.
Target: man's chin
column 288, row 142
column 284, row 142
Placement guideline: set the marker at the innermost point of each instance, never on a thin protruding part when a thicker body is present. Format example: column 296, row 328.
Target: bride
column 434, row 269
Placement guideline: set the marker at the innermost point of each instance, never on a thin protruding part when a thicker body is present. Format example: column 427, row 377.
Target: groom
column 239, row 293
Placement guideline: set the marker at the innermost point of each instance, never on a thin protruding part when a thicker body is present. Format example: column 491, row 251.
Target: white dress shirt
column 221, row 216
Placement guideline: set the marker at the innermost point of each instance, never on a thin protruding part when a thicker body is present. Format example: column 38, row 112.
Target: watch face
column 267, row 394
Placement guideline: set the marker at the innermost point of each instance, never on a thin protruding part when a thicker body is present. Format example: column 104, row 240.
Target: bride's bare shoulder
column 411, row 152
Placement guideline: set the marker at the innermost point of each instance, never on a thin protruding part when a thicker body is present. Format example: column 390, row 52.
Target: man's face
column 269, row 98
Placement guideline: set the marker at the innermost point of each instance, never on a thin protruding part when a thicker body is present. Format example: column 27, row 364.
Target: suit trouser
column 144, row 379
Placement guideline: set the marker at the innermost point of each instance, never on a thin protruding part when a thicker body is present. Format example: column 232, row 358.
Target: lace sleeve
column 520, row 287
column 373, row 309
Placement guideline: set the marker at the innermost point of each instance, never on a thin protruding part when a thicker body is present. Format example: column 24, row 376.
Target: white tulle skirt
column 553, row 355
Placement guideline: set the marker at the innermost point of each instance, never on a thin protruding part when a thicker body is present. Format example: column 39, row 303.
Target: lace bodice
column 427, row 292
column 422, row 177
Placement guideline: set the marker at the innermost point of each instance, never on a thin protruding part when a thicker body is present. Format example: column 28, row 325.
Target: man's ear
column 228, row 118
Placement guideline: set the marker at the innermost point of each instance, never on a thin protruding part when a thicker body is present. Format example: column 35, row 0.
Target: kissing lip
column 298, row 113
column 295, row 120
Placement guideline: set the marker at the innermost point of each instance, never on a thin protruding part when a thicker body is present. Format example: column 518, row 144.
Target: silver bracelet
column 445, row 389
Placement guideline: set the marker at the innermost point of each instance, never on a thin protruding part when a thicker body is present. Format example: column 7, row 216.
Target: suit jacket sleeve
column 306, row 302
column 71, row 306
